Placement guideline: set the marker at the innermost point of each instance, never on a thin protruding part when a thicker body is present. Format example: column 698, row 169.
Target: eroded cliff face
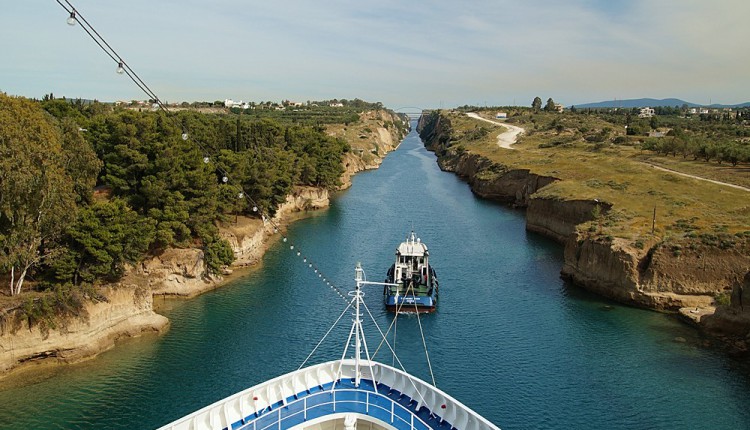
column 487, row 179
column 559, row 219
column 379, row 136
column 179, row 272
column 250, row 238
column 617, row 270
column 666, row 276
column 126, row 312
column 690, row 267
column 494, row 181
column 182, row 272
column 733, row 320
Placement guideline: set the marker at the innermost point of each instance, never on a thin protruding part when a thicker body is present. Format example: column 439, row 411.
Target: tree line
column 87, row 188
column 721, row 150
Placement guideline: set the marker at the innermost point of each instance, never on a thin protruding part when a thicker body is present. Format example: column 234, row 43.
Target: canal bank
column 688, row 276
column 125, row 310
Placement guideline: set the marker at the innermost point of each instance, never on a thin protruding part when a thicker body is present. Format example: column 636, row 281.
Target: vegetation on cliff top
column 594, row 159
column 89, row 188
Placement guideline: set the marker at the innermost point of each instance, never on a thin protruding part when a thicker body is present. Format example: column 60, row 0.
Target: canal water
column 510, row 339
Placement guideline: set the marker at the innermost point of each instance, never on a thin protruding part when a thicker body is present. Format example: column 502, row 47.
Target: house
column 229, row 103
column 646, row 112
column 559, row 108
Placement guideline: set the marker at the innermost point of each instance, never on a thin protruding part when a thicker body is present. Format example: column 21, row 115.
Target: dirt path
column 739, row 187
column 505, row 139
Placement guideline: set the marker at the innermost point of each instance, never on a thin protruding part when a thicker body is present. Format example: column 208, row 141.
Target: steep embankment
column 120, row 312
column 182, row 272
column 684, row 274
column 128, row 311
column 378, row 133
column 662, row 274
column 487, row 179
column 733, row 321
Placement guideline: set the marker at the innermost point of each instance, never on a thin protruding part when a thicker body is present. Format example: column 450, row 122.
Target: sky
column 424, row 54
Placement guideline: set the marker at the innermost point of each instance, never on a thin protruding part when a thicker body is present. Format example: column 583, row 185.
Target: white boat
column 347, row 394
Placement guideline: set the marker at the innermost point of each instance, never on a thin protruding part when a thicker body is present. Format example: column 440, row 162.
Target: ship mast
column 356, row 331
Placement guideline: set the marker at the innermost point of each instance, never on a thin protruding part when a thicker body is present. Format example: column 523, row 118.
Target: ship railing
column 339, row 402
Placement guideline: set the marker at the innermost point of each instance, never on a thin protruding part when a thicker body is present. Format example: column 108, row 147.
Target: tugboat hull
column 407, row 306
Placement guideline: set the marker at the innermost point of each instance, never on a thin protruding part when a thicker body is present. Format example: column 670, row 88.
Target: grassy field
column 304, row 116
column 622, row 175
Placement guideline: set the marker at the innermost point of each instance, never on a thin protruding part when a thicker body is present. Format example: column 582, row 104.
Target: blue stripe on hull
column 407, row 303
column 345, row 398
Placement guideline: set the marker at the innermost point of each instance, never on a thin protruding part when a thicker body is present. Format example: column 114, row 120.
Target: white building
column 229, row 103
column 646, row 112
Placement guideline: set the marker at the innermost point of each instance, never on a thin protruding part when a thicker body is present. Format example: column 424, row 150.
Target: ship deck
column 417, row 289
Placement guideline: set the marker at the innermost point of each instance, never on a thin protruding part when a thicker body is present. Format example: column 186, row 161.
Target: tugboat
column 411, row 283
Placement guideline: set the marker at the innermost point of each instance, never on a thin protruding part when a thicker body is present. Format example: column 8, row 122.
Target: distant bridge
column 412, row 112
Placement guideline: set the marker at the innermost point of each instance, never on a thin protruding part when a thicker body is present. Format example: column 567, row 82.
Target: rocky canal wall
column 119, row 312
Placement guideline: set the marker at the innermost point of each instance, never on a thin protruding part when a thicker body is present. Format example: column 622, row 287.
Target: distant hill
column 631, row 103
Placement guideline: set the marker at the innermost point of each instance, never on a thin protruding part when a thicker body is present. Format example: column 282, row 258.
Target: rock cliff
column 558, row 218
column 653, row 278
column 381, row 132
column 487, row 179
column 732, row 321
column 182, row 272
column 125, row 312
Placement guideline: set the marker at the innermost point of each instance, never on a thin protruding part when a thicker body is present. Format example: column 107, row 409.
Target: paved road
column 507, row 138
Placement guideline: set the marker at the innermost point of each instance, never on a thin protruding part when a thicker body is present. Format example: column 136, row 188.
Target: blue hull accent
column 386, row 405
column 410, row 304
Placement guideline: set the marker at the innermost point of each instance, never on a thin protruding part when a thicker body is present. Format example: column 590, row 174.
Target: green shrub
column 217, row 253
column 723, row 298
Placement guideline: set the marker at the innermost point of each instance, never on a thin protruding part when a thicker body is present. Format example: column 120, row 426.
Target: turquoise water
column 510, row 339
